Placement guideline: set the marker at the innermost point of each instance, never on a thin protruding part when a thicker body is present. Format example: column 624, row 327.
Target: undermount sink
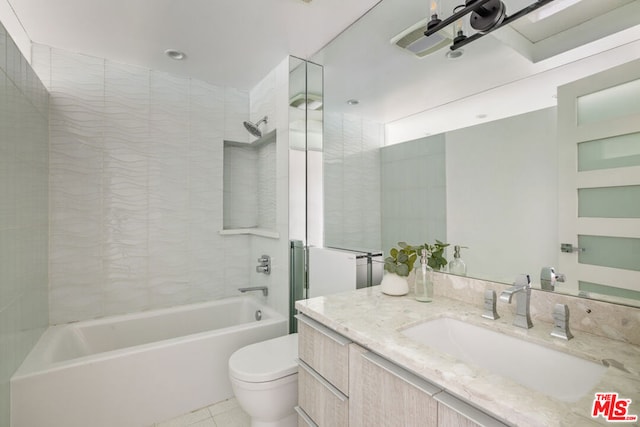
column 552, row 372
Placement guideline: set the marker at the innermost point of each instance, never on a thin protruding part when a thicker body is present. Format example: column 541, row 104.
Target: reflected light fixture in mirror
column 484, row 17
column 175, row 54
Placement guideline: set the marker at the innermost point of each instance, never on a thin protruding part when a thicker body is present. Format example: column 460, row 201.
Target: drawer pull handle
column 403, row 374
column 305, row 417
column 337, row 393
column 323, row 330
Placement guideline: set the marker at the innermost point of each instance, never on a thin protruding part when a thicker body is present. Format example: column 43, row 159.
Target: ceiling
column 227, row 42
column 237, row 42
column 512, row 70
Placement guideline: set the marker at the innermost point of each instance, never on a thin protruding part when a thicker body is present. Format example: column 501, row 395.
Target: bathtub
column 136, row 369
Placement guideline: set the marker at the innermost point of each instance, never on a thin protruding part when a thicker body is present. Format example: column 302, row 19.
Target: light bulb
column 433, row 9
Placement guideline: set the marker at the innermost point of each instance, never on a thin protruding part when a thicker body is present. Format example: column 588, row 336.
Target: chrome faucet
column 264, row 264
column 264, row 289
column 522, row 288
column 549, row 278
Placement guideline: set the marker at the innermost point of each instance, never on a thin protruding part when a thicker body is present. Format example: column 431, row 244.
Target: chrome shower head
column 254, row 128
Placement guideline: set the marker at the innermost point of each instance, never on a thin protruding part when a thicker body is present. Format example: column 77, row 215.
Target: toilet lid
column 266, row 361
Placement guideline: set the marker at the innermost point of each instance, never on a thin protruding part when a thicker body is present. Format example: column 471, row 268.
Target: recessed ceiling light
column 481, row 116
column 353, row 102
column 175, row 54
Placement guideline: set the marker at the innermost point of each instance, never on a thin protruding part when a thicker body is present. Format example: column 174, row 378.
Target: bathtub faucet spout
column 264, row 289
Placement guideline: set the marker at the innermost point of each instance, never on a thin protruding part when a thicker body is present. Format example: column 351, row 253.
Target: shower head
column 254, row 129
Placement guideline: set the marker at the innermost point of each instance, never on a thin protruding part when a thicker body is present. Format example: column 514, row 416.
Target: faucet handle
column 490, row 311
column 561, row 322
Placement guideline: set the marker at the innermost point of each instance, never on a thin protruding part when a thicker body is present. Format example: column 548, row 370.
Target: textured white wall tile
column 241, row 187
column 235, row 113
column 266, row 186
column 263, row 103
column 413, row 212
column 125, row 188
column 136, row 176
column 24, row 238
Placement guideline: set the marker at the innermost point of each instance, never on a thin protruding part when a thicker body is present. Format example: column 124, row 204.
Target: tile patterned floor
column 222, row 414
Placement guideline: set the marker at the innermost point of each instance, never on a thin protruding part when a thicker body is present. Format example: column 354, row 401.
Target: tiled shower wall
column 24, row 170
column 136, row 187
column 352, row 181
column 414, row 193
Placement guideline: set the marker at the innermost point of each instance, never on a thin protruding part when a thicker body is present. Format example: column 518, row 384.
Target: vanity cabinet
column 323, row 375
column 383, row 394
column 341, row 384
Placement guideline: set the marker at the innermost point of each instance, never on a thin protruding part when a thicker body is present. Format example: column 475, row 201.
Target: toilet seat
column 265, row 361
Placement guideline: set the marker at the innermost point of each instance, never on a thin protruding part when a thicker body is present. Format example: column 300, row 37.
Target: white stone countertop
column 374, row 320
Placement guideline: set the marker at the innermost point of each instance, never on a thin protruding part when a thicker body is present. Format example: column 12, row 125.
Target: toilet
column 264, row 379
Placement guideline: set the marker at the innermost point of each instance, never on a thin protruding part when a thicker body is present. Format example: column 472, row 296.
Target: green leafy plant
column 401, row 259
column 436, row 259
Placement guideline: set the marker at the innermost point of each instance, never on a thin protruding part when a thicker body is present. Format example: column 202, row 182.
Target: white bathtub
column 134, row 370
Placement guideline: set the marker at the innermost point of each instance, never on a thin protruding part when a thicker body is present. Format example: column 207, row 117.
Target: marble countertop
column 374, row 320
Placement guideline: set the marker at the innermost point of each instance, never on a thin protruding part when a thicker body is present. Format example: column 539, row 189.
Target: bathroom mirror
column 477, row 133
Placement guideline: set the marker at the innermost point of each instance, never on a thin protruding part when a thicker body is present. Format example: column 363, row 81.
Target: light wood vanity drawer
column 324, row 404
column 453, row 412
column 324, row 350
column 386, row 395
column 303, row 419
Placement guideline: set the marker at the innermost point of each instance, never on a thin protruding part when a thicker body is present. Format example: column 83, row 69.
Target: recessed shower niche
column 249, row 182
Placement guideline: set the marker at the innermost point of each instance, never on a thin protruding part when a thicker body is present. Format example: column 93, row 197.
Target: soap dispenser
column 424, row 279
column 457, row 266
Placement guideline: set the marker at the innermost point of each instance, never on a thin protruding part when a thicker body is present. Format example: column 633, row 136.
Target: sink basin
column 560, row 375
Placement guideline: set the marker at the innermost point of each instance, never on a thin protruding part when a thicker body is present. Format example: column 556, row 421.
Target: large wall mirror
column 465, row 148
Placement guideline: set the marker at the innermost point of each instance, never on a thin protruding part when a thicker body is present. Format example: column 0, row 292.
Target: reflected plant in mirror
column 401, row 260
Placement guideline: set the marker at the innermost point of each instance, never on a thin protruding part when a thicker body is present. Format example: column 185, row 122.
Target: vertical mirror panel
column 611, row 103
column 609, row 202
column 297, row 187
column 613, row 252
column 305, row 173
column 297, row 148
column 615, row 152
column 315, row 154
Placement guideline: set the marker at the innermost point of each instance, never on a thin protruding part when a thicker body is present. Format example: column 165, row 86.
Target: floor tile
column 235, row 417
column 223, row 406
column 205, row 423
column 187, row 419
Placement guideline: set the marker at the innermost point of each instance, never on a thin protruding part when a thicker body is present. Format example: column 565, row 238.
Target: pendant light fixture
column 484, row 16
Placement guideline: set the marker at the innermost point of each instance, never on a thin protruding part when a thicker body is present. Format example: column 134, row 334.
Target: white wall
column 136, row 187
column 502, row 195
column 24, row 216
